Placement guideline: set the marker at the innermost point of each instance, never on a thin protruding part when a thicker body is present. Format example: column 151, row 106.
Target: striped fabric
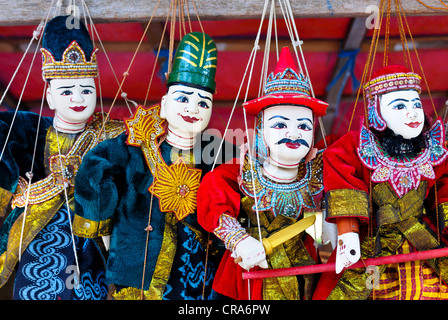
column 414, row 280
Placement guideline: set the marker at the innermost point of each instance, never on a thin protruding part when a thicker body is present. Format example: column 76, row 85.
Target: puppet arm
column 218, row 209
column 345, row 183
column 97, row 188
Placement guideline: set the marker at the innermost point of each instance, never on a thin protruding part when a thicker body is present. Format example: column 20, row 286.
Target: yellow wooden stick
column 284, row 235
column 287, row 233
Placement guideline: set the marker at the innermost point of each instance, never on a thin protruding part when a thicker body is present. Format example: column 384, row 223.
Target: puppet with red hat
column 386, row 190
column 269, row 190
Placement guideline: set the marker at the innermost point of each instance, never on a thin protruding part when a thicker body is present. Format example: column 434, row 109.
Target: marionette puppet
column 36, row 238
column 283, row 177
column 139, row 190
column 388, row 180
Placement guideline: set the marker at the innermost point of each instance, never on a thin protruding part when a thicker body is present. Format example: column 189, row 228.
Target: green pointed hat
column 195, row 61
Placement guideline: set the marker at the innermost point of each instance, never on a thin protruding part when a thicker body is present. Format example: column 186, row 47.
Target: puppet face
column 74, row 100
column 288, row 133
column 187, row 110
column 403, row 112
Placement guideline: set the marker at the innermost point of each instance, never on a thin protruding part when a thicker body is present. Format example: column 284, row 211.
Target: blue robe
column 112, row 198
column 47, row 267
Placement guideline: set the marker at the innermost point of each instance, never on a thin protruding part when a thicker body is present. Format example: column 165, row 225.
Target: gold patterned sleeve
column 5, row 198
column 443, row 217
column 346, row 180
column 86, row 228
column 345, row 203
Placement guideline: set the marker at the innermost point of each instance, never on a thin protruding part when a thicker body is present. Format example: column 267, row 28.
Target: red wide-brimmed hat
column 286, row 86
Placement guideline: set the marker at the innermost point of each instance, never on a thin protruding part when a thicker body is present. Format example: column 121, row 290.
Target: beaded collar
column 403, row 174
column 288, row 199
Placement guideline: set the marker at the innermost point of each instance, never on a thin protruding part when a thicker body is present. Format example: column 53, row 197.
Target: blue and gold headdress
column 67, row 51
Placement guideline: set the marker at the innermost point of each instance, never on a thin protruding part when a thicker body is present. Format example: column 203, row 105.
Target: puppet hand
column 348, row 250
column 106, row 241
column 251, row 252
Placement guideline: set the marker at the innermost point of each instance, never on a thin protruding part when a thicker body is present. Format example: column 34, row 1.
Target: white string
column 295, row 39
column 10, row 82
column 29, row 174
column 123, row 94
column 68, row 206
column 249, row 62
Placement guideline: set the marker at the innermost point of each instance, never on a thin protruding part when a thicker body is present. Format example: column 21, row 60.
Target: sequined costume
column 240, row 201
column 47, row 266
column 281, row 205
column 38, row 169
column 400, row 203
column 141, row 191
column 113, row 198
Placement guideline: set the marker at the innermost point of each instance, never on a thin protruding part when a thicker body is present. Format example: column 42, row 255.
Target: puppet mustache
column 298, row 141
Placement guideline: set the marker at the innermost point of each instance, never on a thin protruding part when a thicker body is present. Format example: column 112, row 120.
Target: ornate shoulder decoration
column 176, row 185
column 64, row 167
column 288, row 199
column 403, row 174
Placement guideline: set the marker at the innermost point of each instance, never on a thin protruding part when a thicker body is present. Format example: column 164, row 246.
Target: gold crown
column 73, row 65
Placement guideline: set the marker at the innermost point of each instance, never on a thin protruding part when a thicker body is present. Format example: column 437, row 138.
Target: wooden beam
column 30, row 12
column 354, row 40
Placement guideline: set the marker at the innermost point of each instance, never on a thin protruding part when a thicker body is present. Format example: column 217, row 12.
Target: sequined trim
column 443, row 217
column 86, row 228
column 230, row 231
column 289, row 199
column 63, row 168
column 165, row 259
column 175, row 186
column 347, row 203
column 37, row 217
column 5, row 198
column 73, row 65
column 403, row 174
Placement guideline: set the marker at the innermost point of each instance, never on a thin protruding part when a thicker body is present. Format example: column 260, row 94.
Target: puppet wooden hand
column 348, row 250
column 246, row 250
column 106, row 241
column 252, row 253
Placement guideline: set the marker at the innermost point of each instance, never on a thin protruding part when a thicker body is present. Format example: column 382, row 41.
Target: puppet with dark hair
column 37, row 176
column 386, row 190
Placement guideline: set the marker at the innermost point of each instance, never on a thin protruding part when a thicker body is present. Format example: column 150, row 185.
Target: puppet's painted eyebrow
column 186, row 92
column 305, row 119
column 204, row 97
column 67, row 87
column 398, row 100
column 281, row 117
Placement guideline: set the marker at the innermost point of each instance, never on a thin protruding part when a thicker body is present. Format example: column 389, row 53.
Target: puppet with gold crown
column 268, row 191
column 384, row 186
column 138, row 191
column 38, row 169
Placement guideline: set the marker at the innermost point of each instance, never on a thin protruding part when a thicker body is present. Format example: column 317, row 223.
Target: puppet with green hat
column 138, row 191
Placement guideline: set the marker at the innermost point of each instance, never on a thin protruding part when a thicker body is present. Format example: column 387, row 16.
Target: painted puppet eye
column 279, row 125
column 203, row 105
column 66, row 93
column 182, row 99
column 399, row 106
column 304, row 126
